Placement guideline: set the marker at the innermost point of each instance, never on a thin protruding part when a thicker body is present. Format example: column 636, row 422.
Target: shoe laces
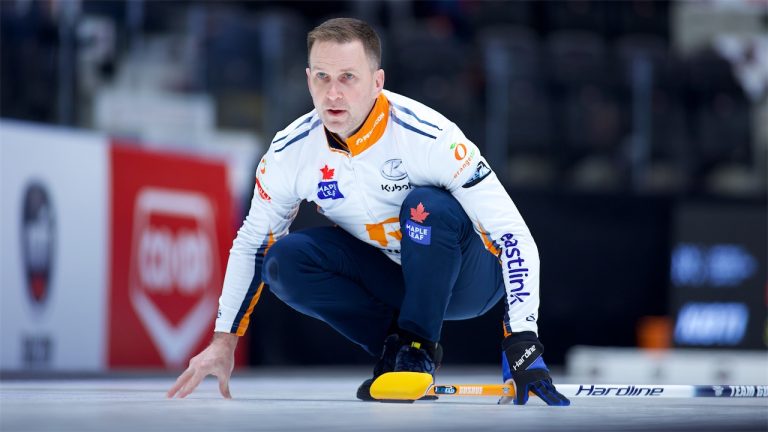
column 413, row 358
column 388, row 357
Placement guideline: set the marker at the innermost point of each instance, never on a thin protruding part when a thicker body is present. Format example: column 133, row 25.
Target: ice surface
column 309, row 399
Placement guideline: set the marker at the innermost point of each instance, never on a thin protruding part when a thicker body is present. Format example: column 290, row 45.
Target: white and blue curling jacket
column 361, row 183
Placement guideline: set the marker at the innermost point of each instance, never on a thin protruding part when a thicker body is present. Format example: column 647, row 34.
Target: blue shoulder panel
column 299, row 136
column 411, row 128
column 409, row 112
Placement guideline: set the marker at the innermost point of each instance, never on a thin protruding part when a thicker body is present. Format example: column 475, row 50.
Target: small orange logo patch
column 459, row 151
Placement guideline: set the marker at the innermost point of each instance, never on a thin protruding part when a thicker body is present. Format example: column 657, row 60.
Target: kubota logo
column 173, row 269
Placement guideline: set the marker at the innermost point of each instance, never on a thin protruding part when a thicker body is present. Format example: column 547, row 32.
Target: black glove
column 523, row 365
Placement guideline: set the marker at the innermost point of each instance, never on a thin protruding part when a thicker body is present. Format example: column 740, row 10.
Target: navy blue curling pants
column 446, row 274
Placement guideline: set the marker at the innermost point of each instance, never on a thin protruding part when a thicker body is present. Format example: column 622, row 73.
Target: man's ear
column 307, row 70
column 378, row 79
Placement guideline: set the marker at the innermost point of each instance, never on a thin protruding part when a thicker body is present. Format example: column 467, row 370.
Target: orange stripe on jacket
column 247, row 317
column 487, row 241
column 373, row 128
column 243, row 326
column 505, row 328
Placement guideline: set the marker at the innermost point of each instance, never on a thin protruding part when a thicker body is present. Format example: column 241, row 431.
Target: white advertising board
column 54, row 186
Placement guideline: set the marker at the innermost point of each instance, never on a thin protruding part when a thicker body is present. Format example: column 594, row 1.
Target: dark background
column 598, row 122
column 598, row 279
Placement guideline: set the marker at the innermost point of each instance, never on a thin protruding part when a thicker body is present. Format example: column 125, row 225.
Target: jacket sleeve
column 273, row 208
column 456, row 164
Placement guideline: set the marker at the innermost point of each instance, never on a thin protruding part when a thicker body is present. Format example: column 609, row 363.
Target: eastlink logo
column 513, row 265
column 619, row 391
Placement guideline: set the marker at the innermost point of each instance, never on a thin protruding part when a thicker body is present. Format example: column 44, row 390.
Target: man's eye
column 348, row 76
column 321, row 75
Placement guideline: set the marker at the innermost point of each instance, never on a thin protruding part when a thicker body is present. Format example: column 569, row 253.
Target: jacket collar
column 372, row 129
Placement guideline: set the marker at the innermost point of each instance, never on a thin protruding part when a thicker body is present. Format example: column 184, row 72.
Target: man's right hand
column 217, row 359
column 523, row 366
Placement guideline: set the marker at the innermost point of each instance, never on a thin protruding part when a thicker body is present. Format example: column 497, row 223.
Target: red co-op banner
column 171, row 232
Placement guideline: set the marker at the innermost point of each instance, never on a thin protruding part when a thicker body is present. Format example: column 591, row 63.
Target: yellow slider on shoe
column 401, row 385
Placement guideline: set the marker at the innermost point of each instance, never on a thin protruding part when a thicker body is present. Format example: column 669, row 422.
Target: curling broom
column 414, row 385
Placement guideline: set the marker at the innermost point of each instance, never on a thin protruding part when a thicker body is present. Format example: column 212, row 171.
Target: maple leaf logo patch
column 327, row 172
column 420, row 234
column 328, row 188
column 418, row 214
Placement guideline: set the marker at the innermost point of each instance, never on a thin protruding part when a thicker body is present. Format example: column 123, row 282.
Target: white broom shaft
column 670, row 391
column 611, row 390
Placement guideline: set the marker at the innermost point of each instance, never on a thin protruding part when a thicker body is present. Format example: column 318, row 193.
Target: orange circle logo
column 460, row 152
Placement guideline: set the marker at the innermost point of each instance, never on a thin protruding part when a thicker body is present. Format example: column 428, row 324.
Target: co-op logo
column 38, row 234
column 174, row 268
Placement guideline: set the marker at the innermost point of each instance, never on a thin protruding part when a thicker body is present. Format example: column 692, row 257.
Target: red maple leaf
column 327, row 172
column 418, row 214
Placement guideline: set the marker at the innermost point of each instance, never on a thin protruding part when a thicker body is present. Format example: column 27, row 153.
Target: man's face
column 343, row 84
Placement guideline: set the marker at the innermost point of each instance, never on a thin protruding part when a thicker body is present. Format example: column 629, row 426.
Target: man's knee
column 281, row 270
column 432, row 205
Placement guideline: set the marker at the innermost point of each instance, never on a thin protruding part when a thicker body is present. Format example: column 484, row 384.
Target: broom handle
column 609, row 390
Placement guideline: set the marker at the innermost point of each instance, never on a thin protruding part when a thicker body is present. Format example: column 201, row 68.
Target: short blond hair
column 343, row 30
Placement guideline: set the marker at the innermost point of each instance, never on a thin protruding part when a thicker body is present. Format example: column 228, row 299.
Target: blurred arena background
column 632, row 135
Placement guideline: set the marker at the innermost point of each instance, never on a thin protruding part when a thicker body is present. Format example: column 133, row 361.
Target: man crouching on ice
column 424, row 231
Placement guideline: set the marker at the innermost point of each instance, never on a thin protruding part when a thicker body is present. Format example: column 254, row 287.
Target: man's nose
column 333, row 92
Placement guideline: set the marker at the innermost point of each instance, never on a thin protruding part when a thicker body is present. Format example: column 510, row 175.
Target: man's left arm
column 463, row 171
